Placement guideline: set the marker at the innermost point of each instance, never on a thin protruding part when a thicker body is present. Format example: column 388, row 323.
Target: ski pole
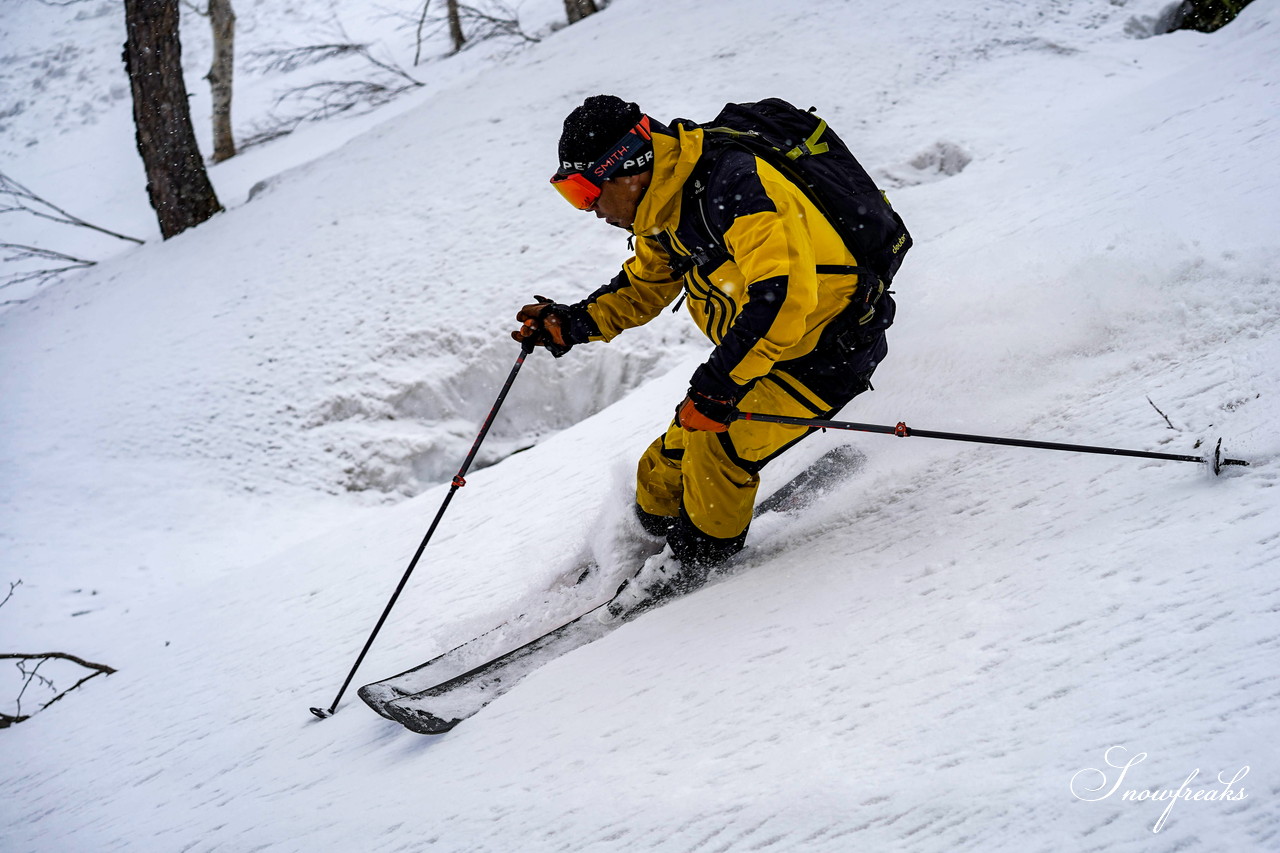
column 902, row 430
column 459, row 481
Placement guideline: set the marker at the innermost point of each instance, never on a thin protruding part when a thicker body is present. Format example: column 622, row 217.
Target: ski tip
column 322, row 713
column 421, row 721
column 379, row 696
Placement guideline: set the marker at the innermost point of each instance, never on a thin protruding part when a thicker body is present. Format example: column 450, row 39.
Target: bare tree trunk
column 223, row 20
column 1207, row 16
column 455, row 27
column 177, row 183
column 579, row 9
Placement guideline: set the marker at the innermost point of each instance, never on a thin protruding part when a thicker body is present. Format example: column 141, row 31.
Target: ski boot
column 660, row 578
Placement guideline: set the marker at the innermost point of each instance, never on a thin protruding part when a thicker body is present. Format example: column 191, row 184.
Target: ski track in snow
column 208, row 444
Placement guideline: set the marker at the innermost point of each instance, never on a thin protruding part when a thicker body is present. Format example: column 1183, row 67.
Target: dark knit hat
column 592, row 128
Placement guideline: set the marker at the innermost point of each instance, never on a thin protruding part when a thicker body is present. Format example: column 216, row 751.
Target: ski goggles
column 582, row 189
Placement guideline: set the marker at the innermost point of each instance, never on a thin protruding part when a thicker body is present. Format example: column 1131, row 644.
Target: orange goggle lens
column 577, row 190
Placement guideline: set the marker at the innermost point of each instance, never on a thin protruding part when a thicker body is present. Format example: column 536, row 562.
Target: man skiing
column 795, row 327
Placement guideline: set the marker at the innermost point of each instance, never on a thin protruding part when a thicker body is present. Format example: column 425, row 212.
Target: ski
column 459, row 693
column 438, row 709
column 462, row 658
column 829, row 469
column 807, row 486
column 440, row 668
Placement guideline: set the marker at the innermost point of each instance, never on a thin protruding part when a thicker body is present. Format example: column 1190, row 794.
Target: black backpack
column 802, row 147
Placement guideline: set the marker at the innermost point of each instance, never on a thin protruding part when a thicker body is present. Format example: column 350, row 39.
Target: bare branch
column 334, row 97
column 488, row 19
column 20, row 253
column 101, row 668
column 33, row 675
column 292, row 58
column 422, row 21
column 326, row 98
column 106, row 671
column 12, row 586
column 285, row 58
column 392, row 68
column 41, row 276
column 502, row 21
column 1162, row 414
column 23, row 199
column 29, row 677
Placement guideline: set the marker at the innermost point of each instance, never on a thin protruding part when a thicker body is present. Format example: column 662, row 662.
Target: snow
column 220, row 451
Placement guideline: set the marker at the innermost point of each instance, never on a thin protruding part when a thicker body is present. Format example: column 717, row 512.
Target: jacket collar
column 676, row 152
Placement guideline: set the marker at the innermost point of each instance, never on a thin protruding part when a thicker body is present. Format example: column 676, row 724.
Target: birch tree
column 222, row 18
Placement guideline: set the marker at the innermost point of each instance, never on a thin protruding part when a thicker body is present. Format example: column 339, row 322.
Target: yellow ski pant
column 713, row 477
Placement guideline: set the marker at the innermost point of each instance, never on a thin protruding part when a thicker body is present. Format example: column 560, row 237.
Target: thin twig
column 326, row 98
column 40, row 277
column 422, row 20
column 21, row 196
column 391, row 68
column 12, row 586
column 22, row 253
column 107, row 671
column 1162, row 414
column 30, row 677
column 292, row 58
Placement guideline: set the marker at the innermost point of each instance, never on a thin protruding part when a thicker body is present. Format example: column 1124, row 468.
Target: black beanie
column 591, row 128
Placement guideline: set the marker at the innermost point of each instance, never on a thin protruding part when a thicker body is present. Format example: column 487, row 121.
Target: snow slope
column 207, row 444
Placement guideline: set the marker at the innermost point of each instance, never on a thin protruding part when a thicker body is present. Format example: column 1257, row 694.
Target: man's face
column 619, row 199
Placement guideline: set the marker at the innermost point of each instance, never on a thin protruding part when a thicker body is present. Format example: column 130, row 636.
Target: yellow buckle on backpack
column 811, row 145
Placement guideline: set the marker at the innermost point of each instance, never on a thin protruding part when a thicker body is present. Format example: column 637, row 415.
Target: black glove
column 546, row 324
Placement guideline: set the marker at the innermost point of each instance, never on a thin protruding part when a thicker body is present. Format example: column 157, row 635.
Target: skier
column 793, row 333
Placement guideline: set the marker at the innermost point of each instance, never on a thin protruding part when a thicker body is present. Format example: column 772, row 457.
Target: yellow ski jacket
column 787, row 274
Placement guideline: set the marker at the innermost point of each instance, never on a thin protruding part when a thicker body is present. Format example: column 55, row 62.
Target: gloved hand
column 545, row 324
column 698, row 412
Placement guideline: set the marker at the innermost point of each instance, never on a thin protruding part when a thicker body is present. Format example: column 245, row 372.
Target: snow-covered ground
column 217, row 454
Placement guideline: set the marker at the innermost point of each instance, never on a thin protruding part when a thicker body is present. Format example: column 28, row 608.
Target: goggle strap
column 634, row 139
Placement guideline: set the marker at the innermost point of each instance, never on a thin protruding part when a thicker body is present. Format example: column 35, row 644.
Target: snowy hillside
column 217, row 454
